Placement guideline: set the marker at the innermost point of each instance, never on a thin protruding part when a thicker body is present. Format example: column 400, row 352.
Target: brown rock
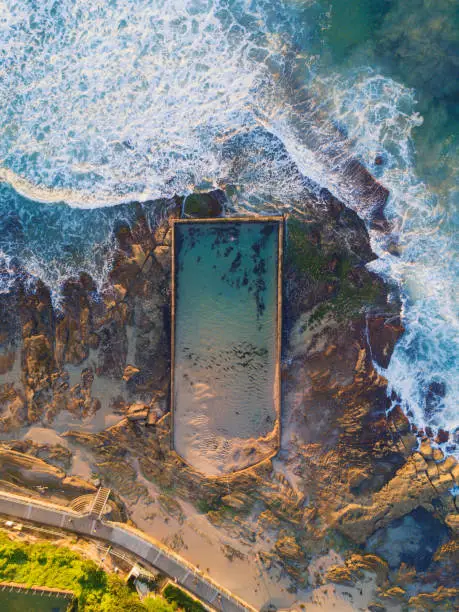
column 448, row 465
column 78, row 486
column 236, row 500
column 452, row 520
column 437, row 454
column 383, row 334
column 426, row 450
column 7, row 361
column 13, row 411
column 442, row 599
column 455, row 474
column 38, row 361
column 120, row 291
column 356, row 476
column 163, row 257
column 137, row 412
column 139, row 255
column 354, row 568
column 408, row 489
column 287, row 547
column 394, row 592
column 442, row 436
column 32, row 471
column 129, row 372
column 399, row 421
column 432, row 471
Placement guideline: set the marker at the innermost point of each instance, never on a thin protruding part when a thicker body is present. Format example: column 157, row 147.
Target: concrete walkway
column 149, row 550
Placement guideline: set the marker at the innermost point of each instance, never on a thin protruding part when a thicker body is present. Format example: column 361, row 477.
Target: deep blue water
column 106, row 102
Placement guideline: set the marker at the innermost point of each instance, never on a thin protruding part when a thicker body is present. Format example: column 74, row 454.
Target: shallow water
column 129, row 99
column 225, row 384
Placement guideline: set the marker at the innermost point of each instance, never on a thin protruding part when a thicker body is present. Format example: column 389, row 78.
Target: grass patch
column 44, row 564
column 175, row 595
column 352, row 291
column 305, row 256
column 202, row 205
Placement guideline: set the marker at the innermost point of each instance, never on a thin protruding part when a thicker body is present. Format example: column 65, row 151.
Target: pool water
column 225, row 382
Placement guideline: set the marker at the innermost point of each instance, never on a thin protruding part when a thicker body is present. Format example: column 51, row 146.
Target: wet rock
column 112, row 350
column 203, row 205
column 137, row 412
column 236, row 500
column 395, row 595
column 32, row 471
column 407, row 490
column 38, row 361
column 412, row 539
column 442, row 598
column 442, row 436
column 426, row 450
column 139, row 255
column 455, row 474
column 120, row 292
column 378, row 220
column 452, row 520
column 129, row 372
column 383, row 335
column 355, row 567
column 437, row 454
column 162, row 255
column 435, row 393
column 13, row 410
column 444, row 566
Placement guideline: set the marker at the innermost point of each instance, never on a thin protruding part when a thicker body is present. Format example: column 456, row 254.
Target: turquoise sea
column 112, row 101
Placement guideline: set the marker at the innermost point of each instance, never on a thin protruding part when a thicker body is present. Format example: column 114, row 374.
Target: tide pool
column 226, row 343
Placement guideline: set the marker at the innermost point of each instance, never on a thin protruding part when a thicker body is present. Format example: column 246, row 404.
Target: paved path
column 132, row 540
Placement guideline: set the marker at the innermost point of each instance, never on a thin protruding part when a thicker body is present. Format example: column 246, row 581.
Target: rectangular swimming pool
column 226, row 320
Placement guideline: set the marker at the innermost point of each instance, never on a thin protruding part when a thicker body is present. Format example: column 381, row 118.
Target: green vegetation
column 304, row 255
column 175, row 595
column 351, row 298
column 44, row 564
column 352, row 290
column 157, row 603
column 202, row 205
column 204, row 506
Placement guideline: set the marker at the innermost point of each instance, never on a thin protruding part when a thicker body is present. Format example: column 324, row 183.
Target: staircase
column 83, row 503
column 100, row 499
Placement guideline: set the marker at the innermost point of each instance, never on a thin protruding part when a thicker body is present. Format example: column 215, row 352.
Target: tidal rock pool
column 226, row 342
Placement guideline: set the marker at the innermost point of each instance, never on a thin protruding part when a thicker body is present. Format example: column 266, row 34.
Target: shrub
column 44, row 564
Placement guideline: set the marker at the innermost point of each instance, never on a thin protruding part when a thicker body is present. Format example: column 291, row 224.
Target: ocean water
column 111, row 101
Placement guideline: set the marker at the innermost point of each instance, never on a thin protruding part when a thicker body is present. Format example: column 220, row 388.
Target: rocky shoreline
column 86, row 384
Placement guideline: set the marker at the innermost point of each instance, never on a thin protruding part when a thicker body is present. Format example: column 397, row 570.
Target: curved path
column 129, row 538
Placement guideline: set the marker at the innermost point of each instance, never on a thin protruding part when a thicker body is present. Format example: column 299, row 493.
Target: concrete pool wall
column 226, row 341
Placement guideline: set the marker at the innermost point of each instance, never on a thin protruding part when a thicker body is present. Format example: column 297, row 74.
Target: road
column 130, row 539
